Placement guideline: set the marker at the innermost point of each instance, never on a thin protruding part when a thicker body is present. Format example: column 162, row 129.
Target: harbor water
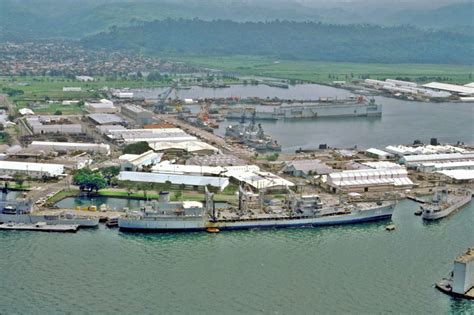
column 401, row 123
column 346, row 269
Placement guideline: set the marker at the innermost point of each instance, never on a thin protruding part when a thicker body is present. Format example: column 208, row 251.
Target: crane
column 160, row 105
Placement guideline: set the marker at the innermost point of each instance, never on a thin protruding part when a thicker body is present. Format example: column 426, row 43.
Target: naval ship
column 251, row 213
column 351, row 107
column 444, row 203
column 19, row 211
column 252, row 135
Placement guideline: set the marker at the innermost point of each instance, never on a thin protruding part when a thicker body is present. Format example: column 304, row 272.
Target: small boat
column 103, row 207
column 418, row 212
column 40, row 227
column 212, row 230
column 112, row 222
column 390, row 227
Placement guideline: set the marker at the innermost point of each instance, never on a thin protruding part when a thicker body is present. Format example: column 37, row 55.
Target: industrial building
column 215, row 160
column 306, row 168
column 461, row 90
column 137, row 113
column 135, row 162
column 378, row 154
column 195, row 147
column 402, row 150
column 34, row 170
column 52, row 124
column 369, row 180
column 415, row 161
column 459, row 176
column 103, row 106
column 188, row 181
column 259, row 179
column 105, row 119
column 149, row 135
column 406, row 87
column 434, row 167
column 99, row 148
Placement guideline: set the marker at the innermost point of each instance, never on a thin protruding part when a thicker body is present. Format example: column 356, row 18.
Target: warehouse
column 103, row 106
column 44, row 124
column 150, row 135
column 453, row 88
column 459, row 176
column 259, row 179
column 34, row 170
column 433, row 167
column 179, row 147
column 105, row 119
column 414, row 161
column 137, row 113
column 369, row 180
column 306, row 168
column 71, row 146
column 178, row 181
column 378, row 154
column 135, row 162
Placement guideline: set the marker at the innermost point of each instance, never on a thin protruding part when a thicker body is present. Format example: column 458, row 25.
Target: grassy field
column 326, row 72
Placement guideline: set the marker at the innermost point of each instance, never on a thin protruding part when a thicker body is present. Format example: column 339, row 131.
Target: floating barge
column 353, row 107
column 40, row 227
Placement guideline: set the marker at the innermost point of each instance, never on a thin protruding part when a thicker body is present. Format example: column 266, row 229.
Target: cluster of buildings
column 58, row 58
column 433, row 90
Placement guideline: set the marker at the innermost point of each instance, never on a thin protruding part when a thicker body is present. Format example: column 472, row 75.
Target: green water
column 349, row 269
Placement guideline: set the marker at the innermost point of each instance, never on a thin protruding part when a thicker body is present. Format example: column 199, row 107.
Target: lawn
column 326, row 72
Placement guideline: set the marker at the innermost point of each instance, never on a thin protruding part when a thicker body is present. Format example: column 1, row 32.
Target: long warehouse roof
column 450, row 87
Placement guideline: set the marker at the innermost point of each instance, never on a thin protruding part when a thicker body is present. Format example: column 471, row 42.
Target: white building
column 134, row 162
column 35, row 170
column 415, row 161
column 72, row 89
column 45, row 124
column 453, row 88
column 84, row 78
column 188, row 181
column 103, row 106
column 369, row 180
column 378, row 154
column 100, row 148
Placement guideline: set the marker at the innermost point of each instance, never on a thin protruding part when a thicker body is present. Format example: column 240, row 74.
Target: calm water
column 352, row 269
column 401, row 121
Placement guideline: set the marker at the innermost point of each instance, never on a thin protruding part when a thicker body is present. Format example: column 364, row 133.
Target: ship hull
column 138, row 225
column 26, row 218
column 431, row 216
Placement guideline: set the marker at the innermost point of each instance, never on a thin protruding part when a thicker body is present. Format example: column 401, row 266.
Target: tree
column 109, row 173
column 58, row 112
column 88, row 180
column 136, row 148
column 19, row 179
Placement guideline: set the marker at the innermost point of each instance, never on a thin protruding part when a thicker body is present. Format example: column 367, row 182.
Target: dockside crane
column 160, row 105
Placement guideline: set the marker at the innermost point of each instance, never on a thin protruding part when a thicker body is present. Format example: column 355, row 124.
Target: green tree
column 19, row 179
column 136, row 148
column 88, row 180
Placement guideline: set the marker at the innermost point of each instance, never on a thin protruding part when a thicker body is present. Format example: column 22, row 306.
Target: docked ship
column 19, row 211
column 351, row 107
column 445, row 203
column 251, row 213
column 252, row 135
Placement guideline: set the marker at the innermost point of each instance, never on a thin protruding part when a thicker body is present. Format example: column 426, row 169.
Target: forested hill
column 291, row 40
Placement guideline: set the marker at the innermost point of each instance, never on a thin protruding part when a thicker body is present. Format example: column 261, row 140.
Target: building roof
column 188, row 146
column 167, row 168
column 426, row 149
column 307, row 165
column 396, row 177
column 139, row 159
column 378, row 152
column 33, row 167
column 260, row 179
column 450, row 88
column 73, row 145
column 437, row 157
column 459, row 174
column 104, row 119
column 189, row 180
column 382, row 164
